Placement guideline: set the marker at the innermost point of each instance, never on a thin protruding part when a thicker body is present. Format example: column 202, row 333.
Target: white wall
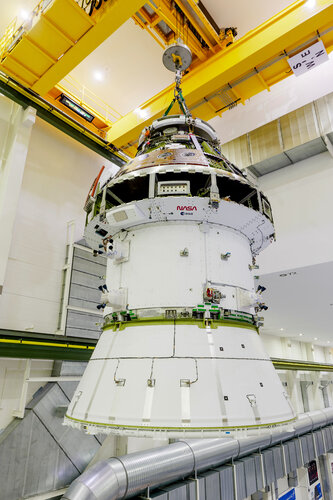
column 302, row 203
column 284, row 347
column 57, row 177
column 11, row 383
column 287, row 348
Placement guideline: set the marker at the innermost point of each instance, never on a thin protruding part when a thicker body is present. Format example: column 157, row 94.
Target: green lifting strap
column 170, row 107
column 182, row 104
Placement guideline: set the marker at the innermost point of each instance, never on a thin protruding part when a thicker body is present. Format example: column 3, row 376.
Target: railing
column 8, row 36
column 13, row 33
column 88, row 99
column 70, row 86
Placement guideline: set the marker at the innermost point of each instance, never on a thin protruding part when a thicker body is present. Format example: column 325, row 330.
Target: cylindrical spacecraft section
column 180, row 354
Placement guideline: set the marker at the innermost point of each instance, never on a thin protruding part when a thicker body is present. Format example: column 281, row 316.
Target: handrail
column 11, row 32
column 84, row 95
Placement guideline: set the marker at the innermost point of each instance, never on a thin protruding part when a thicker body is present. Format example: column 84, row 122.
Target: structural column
column 13, row 160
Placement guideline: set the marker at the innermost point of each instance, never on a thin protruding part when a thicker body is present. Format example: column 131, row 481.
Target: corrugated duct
column 300, row 134
column 129, row 475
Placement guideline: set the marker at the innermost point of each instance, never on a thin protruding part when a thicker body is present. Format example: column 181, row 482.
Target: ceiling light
column 24, row 14
column 98, row 75
column 316, row 338
column 311, row 4
column 281, row 329
column 328, row 341
column 300, row 334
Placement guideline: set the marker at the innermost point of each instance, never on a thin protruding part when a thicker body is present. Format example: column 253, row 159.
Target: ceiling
column 131, row 55
column 300, row 301
column 131, row 70
column 244, row 15
column 14, row 8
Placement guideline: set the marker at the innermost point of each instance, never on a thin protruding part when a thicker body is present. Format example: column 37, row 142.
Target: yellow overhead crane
column 61, row 34
column 167, row 20
column 252, row 64
column 58, row 37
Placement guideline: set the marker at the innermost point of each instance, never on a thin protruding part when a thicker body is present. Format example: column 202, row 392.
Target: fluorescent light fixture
column 69, row 103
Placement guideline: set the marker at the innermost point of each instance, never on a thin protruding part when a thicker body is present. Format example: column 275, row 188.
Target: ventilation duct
column 127, row 476
column 300, row 134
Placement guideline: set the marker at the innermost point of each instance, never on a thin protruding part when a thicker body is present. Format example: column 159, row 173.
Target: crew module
column 180, row 353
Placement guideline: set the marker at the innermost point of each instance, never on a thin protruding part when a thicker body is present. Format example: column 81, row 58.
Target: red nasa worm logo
column 186, row 210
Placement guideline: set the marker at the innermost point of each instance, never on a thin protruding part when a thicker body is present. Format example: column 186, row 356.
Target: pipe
column 126, row 476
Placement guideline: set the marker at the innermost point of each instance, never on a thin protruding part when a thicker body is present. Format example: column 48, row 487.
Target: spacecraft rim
column 205, row 214
column 176, row 167
column 185, row 429
column 200, row 323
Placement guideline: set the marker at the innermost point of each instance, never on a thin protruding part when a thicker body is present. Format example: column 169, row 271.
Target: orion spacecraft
column 180, row 353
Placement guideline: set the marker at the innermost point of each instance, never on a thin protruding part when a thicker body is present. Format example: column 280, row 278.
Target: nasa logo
column 186, row 210
column 189, row 208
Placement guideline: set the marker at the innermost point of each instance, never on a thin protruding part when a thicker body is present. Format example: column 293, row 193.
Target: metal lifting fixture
column 177, row 58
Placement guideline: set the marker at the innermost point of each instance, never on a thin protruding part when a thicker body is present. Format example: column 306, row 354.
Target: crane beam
column 59, row 36
column 264, row 51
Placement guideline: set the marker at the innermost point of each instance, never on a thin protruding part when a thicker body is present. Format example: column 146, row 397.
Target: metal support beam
column 19, row 344
column 25, row 97
column 293, row 364
column 262, row 48
column 19, row 413
column 28, row 345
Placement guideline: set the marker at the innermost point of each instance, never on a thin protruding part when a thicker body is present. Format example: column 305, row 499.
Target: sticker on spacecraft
column 165, row 155
column 312, row 472
column 188, row 153
column 317, row 492
column 308, row 59
column 290, row 495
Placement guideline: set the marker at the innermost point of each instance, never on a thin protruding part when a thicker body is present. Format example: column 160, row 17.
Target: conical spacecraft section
column 180, row 353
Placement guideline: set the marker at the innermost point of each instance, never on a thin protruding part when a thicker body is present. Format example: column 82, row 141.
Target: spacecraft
column 180, row 353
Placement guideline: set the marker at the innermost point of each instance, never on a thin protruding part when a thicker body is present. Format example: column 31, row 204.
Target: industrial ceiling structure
column 78, row 62
column 83, row 61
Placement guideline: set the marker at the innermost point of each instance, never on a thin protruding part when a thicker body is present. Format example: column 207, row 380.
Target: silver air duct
column 126, row 476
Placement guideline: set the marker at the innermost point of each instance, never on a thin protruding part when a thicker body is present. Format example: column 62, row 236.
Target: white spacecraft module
column 180, row 353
